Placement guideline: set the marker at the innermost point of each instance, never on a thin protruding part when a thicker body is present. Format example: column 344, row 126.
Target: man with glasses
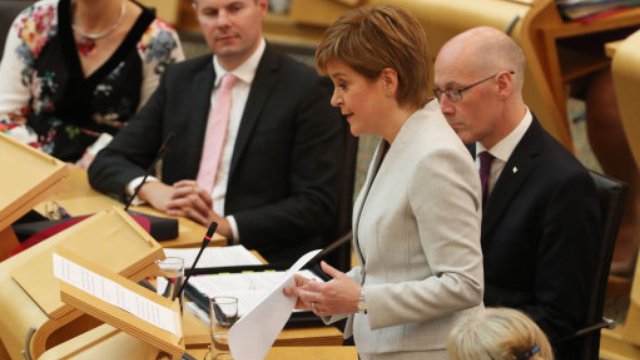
column 541, row 220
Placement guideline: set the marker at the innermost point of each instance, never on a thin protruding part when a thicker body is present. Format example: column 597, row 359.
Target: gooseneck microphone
column 161, row 152
column 205, row 242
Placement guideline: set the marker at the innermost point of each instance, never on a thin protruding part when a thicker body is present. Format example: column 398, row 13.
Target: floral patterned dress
column 48, row 102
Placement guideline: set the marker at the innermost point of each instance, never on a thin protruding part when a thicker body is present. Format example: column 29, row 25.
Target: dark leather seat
column 585, row 343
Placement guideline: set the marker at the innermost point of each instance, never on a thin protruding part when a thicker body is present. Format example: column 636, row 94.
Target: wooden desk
column 30, row 176
column 196, row 334
column 105, row 342
column 20, row 313
column 77, row 197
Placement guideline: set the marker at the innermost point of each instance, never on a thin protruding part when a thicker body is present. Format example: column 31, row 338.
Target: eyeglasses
column 455, row 95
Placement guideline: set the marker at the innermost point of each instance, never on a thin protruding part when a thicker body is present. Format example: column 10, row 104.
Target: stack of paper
column 216, row 256
column 579, row 9
column 248, row 288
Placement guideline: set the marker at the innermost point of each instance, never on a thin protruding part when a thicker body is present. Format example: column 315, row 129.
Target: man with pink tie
column 257, row 146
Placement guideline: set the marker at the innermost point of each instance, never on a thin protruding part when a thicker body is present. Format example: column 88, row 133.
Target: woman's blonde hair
column 498, row 334
column 371, row 38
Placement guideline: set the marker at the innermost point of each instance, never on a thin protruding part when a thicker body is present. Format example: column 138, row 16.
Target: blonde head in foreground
column 498, row 334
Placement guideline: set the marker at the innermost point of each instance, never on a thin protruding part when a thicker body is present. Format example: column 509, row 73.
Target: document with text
column 249, row 287
column 116, row 294
column 251, row 337
column 235, row 255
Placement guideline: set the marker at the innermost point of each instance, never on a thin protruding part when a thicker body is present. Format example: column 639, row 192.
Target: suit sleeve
column 132, row 150
column 568, row 246
column 315, row 162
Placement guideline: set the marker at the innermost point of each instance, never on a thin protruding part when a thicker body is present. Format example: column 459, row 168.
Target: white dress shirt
column 503, row 149
column 239, row 95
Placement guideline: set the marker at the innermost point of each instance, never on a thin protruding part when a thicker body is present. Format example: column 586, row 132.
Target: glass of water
column 169, row 278
column 223, row 313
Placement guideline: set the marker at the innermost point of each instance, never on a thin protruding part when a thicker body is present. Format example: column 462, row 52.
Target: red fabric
column 48, row 232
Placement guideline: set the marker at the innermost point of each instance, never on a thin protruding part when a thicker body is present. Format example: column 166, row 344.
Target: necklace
column 87, row 42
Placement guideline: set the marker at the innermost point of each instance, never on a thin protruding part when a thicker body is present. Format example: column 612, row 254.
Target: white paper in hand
column 252, row 336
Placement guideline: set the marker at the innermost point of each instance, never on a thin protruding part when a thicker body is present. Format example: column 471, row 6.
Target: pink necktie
column 485, row 172
column 216, row 133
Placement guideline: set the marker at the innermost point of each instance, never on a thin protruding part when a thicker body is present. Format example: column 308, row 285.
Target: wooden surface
column 29, row 176
column 626, row 77
column 300, row 353
column 107, row 343
column 8, row 241
column 166, row 10
column 21, row 313
column 117, row 317
column 317, row 12
column 569, row 50
column 100, row 239
column 78, row 198
column 196, row 334
column 624, row 341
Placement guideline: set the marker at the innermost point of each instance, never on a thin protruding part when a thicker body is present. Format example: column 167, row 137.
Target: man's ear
column 263, row 5
column 505, row 82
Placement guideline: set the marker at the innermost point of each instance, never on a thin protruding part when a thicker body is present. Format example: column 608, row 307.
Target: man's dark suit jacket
column 540, row 235
column 286, row 164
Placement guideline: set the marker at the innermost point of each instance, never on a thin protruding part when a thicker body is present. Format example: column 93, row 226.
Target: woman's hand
column 301, row 281
column 338, row 296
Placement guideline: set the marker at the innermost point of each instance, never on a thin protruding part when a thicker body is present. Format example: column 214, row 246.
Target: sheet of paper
column 116, row 294
column 216, row 256
column 251, row 337
column 249, row 288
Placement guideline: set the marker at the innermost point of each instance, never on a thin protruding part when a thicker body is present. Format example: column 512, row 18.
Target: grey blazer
column 416, row 229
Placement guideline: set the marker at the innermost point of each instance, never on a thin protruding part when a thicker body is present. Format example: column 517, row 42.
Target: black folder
column 160, row 228
column 298, row 318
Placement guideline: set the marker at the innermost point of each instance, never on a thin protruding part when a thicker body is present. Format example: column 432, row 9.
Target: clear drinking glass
column 223, row 313
column 169, row 278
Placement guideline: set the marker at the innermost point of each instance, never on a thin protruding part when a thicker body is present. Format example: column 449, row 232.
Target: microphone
column 161, row 152
column 205, row 242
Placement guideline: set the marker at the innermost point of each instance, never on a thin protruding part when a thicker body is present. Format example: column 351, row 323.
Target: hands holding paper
column 338, row 296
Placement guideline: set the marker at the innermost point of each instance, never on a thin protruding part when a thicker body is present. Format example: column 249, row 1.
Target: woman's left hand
column 338, row 296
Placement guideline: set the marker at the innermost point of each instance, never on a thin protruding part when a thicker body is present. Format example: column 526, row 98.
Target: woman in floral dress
column 74, row 71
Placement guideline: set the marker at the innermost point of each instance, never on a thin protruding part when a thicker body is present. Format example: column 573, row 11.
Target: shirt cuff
column 234, row 230
column 133, row 184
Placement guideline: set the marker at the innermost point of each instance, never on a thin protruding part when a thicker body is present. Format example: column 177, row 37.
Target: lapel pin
column 515, row 169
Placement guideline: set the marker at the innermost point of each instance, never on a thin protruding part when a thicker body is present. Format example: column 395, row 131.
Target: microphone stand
column 163, row 149
column 205, row 242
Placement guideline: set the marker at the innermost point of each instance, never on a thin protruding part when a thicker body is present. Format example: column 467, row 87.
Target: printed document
column 116, row 294
column 251, row 337
column 216, row 256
